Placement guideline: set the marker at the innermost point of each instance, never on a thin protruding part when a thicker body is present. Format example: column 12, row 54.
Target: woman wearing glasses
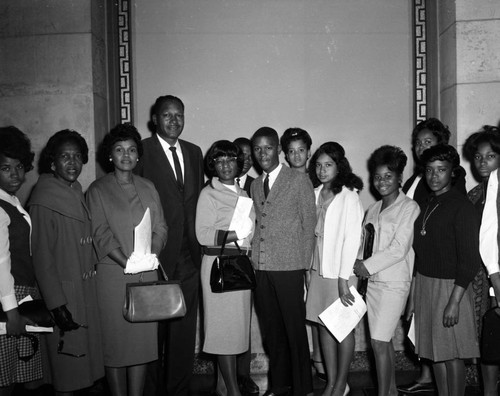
column 227, row 315
column 64, row 264
column 20, row 361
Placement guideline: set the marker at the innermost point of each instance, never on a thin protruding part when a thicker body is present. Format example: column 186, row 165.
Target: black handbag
column 369, row 236
column 153, row 301
column 34, row 310
column 232, row 273
column 490, row 341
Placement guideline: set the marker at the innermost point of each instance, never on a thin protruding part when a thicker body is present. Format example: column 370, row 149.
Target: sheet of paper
column 241, row 212
column 142, row 235
column 411, row 330
column 341, row 320
column 29, row 329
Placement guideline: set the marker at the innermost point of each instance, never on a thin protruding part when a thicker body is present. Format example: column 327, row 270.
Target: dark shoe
column 321, row 376
column 416, row 387
column 284, row 393
column 318, row 374
column 247, row 385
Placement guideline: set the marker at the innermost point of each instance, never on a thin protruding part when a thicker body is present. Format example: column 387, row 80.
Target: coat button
column 262, row 227
column 264, row 215
column 262, row 239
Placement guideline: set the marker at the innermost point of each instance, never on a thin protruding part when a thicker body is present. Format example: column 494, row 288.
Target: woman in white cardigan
column 338, row 235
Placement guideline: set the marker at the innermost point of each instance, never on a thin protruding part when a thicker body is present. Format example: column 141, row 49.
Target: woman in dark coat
column 118, row 202
column 64, row 263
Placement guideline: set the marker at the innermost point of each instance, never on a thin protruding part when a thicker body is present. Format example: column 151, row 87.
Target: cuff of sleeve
column 9, row 302
column 109, row 248
column 346, row 274
column 462, row 283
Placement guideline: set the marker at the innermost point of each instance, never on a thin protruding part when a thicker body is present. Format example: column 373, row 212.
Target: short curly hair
column 393, row 157
column 49, row 152
column 438, row 129
column 121, row 133
column 223, row 148
column 487, row 134
column 442, row 152
column 293, row 134
column 266, row 132
column 16, row 145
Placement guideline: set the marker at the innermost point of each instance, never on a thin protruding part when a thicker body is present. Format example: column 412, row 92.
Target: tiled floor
column 361, row 383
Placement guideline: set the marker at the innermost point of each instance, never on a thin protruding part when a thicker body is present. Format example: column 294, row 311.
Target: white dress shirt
column 488, row 244
column 166, row 148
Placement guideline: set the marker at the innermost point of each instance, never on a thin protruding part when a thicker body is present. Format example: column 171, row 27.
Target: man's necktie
column 178, row 170
column 238, row 181
column 266, row 186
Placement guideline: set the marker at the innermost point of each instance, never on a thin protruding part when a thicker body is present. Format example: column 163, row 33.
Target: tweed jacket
column 285, row 222
column 179, row 207
column 112, row 225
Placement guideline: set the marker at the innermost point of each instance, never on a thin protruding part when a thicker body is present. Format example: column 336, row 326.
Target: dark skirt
column 434, row 341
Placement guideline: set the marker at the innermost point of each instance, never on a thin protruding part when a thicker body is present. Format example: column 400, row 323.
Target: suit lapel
column 188, row 168
column 278, row 184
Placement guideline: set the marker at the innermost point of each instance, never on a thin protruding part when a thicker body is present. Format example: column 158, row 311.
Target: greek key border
column 420, row 60
column 125, row 62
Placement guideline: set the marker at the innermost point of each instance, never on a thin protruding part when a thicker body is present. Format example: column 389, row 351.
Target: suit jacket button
column 262, row 239
column 264, row 215
column 262, row 226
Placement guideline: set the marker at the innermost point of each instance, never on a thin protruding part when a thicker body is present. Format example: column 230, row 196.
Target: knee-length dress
column 116, row 209
column 226, row 315
column 446, row 243
column 338, row 235
column 390, row 265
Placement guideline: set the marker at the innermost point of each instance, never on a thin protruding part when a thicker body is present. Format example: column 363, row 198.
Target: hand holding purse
column 231, row 273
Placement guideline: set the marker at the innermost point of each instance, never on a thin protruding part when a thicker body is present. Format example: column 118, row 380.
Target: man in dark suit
column 176, row 169
column 282, row 248
column 244, row 180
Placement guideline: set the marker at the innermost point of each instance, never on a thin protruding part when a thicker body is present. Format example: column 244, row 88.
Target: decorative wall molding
column 420, row 60
column 125, row 61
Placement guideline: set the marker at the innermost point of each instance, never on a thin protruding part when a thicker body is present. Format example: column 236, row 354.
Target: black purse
column 232, row 273
column 34, row 310
column 490, row 342
column 369, row 236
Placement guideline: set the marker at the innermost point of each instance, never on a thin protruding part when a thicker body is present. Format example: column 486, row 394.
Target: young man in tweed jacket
column 281, row 250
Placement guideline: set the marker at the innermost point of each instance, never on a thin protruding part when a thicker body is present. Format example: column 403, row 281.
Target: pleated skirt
column 434, row 341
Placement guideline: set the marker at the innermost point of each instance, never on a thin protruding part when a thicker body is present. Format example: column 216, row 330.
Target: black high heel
column 320, row 375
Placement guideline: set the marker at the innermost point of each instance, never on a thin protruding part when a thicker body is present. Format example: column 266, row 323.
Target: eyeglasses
column 60, row 345
column 221, row 161
column 34, row 346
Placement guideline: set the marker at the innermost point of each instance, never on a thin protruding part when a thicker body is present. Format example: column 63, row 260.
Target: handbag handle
column 163, row 271
column 224, row 244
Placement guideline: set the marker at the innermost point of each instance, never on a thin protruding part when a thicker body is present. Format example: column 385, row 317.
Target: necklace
column 426, row 217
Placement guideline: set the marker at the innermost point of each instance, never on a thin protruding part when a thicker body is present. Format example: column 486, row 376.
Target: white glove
column 141, row 262
column 244, row 229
